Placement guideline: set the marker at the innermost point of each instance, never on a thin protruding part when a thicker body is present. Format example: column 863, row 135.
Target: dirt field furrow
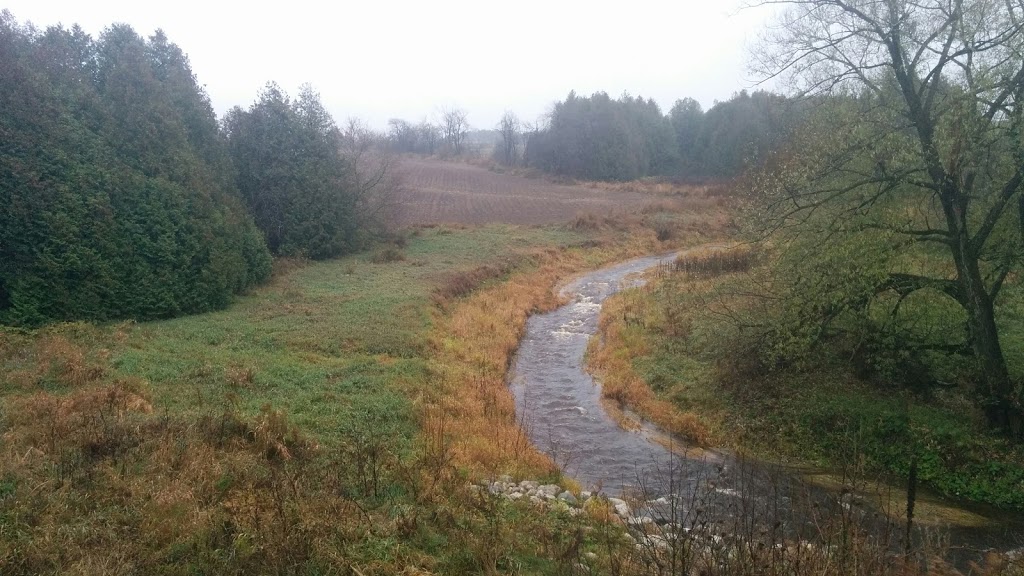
column 436, row 192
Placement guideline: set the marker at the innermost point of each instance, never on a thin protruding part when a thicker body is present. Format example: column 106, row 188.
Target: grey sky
column 378, row 59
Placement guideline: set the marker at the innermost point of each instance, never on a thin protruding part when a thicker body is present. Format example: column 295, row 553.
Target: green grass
column 329, row 343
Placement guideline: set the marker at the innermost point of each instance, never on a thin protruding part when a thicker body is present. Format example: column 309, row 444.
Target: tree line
column 122, row 195
column 600, row 138
column 597, row 137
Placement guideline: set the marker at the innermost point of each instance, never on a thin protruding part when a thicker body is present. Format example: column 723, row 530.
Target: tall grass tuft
column 716, row 261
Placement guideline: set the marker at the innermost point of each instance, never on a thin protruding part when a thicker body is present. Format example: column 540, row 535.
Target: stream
column 560, row 406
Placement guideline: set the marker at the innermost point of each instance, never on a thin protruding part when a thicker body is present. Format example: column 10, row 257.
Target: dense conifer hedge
column 117, row 195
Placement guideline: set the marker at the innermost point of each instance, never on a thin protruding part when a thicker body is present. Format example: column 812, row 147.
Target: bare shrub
column 284, row 265
column 240, row 376
column 664, row 231
column 459, row 284
column 278, row 439
column 715, row 262
column 387, row 255
column 587, row 221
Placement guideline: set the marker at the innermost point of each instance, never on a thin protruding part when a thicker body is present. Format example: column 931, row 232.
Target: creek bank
column 650, row 538
column 560, row 406
column 643, row 527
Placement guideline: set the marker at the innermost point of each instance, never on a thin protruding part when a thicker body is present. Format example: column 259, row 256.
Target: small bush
column 386, row 255
column 283, row 265
column 715, row 262
column 664, row 231
column 459, row 284
column 586, row 222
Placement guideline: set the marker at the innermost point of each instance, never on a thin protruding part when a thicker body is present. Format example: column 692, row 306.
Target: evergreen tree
column 292, row 175
column 117, row 194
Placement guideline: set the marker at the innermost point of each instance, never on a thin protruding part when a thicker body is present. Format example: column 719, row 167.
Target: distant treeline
column 600, row 138
column 122, row 197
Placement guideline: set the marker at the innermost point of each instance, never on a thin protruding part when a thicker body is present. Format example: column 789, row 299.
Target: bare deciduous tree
column 402, row 136
column 511, row 136
column 455, row 125
column 372, row 177
column 429, row 136
column 939, row 85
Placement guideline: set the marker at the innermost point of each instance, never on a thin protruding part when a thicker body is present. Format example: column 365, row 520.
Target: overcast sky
column 378, row 59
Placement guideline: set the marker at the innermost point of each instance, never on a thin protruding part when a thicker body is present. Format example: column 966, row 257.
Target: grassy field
column 330, row 422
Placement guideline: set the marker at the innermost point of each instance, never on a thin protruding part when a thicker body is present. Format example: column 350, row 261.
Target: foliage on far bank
column 117, row 192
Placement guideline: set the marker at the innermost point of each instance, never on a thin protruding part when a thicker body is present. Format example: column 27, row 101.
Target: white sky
column 378, row 59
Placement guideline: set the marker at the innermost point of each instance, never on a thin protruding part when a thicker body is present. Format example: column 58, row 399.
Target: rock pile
column 554, row 496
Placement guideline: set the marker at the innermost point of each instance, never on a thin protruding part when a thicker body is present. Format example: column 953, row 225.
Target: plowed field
column 436, row 192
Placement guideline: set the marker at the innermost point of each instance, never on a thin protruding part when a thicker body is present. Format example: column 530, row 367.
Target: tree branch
column 904, row 284
column 995, row 212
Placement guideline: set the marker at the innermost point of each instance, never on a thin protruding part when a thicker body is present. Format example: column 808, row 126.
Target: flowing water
column 560, row 406
column 559, row 403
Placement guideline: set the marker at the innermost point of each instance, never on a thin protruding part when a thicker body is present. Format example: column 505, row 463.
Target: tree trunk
column 1000, row 400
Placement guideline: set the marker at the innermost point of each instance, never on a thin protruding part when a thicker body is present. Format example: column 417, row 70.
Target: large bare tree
column 936, row 142
column 511, row 130
column 373, row 180
column 455, row 124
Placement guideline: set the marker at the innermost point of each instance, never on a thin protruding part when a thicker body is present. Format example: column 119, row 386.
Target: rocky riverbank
column 643, row 529
column 648, row 536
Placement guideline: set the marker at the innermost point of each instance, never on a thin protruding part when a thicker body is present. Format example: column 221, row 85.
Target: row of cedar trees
column 122, row 196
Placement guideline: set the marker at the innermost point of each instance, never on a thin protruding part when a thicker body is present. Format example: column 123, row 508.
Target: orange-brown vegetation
column 716, row 260
column 52, row 359
column 461, row 283
column 475, row 344
column 611, row 356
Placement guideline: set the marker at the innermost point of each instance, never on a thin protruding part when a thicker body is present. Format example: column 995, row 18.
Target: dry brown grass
column 53, row 359
column 654, row 186
column 282, row 266
column 106, row 485
column 451, row 192
column 716, row 260
column 387, row 255
column 460, row 284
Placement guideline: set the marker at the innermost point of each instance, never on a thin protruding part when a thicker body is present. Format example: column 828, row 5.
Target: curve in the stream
column 559, row 405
